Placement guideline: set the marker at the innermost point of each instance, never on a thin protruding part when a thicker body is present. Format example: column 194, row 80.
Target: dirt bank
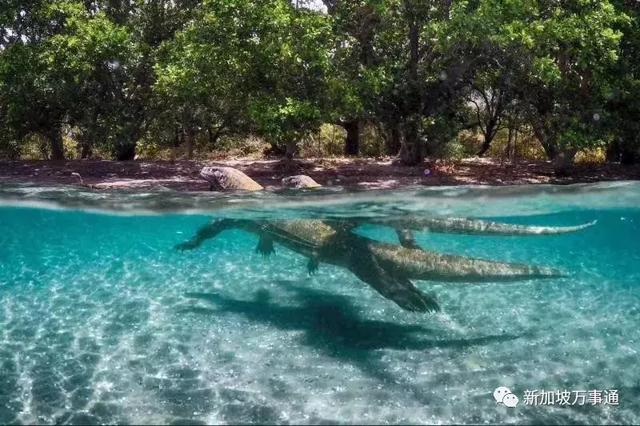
column 369, row 173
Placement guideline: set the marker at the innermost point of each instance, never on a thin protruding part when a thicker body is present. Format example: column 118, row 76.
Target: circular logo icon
column 503, row 395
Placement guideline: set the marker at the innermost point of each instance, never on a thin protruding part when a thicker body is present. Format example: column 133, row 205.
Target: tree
column 111, row 72
column 64, row 74
column 562, row 57
column 575, row 49
column 492, row 95
column 623, row 100
column 152, row 24
column 355, row 74
column 34, row 100
column 247, row 63
column 292, row 100
column 429, row 61
column 93, row 55
column 201, row 74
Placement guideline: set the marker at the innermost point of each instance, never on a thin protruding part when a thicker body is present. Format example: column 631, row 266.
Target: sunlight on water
column 102, row 321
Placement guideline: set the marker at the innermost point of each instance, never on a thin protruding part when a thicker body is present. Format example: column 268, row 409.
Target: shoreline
column 183, row 175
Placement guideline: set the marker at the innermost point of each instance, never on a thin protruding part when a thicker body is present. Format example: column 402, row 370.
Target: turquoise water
column 102, row 321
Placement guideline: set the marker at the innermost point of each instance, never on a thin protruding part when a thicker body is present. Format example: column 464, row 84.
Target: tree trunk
column 126, row 151
column 563, row 161
column 290, row 150
column 188, row 140
column 352, row 143
column 57, row 147
column 629, row 156
column 613, row 151
column 393, row 139
column 489, row 135
column 561, row 158
column 411, row 152
column 625, row 154
column 486, row 144
column 509, row 148
column 550, row 149
column 511, row 145
column 86, row 151
column 546, row 139
column 629, row 150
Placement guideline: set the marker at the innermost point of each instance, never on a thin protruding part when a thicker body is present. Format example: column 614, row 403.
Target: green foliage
column 247, row 65
column 171, row 77
column 328, row 141
column 555, row 65
column 623, row 99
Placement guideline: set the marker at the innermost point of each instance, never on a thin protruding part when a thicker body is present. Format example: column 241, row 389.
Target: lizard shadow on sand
column 331, row 324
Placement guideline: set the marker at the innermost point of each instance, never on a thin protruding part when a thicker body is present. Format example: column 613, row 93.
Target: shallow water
column 102, row 321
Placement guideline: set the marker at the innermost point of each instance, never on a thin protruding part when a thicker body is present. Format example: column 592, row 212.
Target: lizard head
column 227, row 178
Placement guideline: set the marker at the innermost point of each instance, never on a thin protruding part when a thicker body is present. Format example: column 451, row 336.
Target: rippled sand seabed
column 101, row 321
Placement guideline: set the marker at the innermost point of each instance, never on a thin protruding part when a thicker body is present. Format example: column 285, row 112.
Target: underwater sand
column 102, row 321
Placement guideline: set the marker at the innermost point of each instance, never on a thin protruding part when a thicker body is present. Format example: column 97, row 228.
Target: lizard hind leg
column 397, row 288
column 313, row 264
column 265, row 245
